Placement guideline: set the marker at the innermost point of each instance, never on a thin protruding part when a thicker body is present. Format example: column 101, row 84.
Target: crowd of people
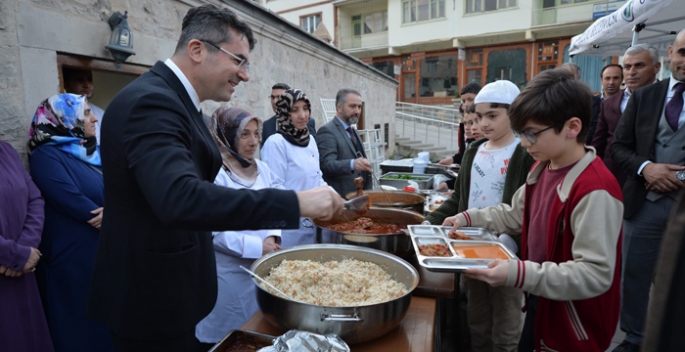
column 580, row 186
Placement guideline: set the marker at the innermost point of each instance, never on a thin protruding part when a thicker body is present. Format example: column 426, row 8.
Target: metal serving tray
column 430, row 234
column 477, row 233
column 425, row 182
column 243, row 341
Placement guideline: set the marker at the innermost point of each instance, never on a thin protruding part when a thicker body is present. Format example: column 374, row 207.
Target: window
column 375, row 22
column 409, row 85
column 387, row 67
column 309, row 23
column 422, row 10
column 474, row 6
column 438, row 76
column 357, row 25
column 554, row 3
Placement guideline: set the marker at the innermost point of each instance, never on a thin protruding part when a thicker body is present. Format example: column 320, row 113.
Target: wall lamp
column 121, row 41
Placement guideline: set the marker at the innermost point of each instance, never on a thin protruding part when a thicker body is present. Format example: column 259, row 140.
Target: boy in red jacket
column 569, row 215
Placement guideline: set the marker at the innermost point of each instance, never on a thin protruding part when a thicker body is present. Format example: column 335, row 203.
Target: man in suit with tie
column 648, row 146
column 611, row 78
column 341, row 154
column 270, row 126
column 640, row 67
column 155, row 276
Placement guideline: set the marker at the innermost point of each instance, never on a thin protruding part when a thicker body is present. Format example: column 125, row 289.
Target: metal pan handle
column 354, row 317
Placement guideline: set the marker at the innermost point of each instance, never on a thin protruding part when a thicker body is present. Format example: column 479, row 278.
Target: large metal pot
column 352, row 324
column 398, row 244
column 394, row 199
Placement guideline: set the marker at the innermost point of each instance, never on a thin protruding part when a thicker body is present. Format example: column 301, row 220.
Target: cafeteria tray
column 477, row 233
column 424, row 181
column 243, row 341
column 430, row 234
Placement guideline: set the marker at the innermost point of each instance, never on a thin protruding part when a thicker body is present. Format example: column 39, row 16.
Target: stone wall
column 33, row 32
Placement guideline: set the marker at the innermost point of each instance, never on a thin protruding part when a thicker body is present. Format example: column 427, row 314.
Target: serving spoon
column 266, row 283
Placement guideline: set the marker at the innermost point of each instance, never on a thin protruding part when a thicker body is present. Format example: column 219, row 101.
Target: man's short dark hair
column 280, row 86
column 471, row 88
column 550, row 99
column 210, row 23
column 342, row 95
column 471, row 109
column 69, row 72
column 601, row 74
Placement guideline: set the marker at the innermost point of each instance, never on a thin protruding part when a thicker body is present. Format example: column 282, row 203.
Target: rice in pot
column 346, row 283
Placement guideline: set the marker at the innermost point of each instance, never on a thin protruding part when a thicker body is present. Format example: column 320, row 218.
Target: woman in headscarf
column 22, row 320
column 237, row 133
column 65, row 165
column 291, row 153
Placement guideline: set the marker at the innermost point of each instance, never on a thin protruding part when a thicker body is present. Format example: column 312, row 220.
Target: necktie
column 675, row 106
column 350, row 130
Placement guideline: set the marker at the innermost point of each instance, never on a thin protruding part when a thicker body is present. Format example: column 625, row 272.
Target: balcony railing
column 579, row 12
column 372, row 40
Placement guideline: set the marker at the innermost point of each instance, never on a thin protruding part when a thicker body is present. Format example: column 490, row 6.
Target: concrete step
column 402, row 139
column 421, row 147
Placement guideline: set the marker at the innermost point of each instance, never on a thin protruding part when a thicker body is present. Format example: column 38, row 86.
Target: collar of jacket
column 564, row 188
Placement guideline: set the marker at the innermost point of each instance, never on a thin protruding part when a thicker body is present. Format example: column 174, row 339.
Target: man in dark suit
column 611, row 78
column 648, row 146
column 154, row 277
column 341, row 154
column 640, row 67
column 270, row 126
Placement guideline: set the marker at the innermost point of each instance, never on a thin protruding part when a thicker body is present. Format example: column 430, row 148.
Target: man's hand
column 269, row 245
column 495, row 275
column 447, row 161
column 34, row 257
column 96, row 222
column 661, row 177
column 319, row 203
column 362, row 164
column 452, row 221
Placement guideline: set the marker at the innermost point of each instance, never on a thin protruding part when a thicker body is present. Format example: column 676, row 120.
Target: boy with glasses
column 492, row 170
column 569, row 214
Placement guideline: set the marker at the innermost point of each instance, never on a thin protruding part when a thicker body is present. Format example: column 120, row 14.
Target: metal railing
column 428, row 130
column 429, row 111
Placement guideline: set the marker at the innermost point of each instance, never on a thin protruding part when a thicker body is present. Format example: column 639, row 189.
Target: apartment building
column 433, row 47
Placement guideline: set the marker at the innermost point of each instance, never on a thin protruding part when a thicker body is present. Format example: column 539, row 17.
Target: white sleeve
column 274, row 155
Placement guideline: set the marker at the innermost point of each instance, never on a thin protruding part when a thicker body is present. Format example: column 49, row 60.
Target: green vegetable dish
column 403, row 177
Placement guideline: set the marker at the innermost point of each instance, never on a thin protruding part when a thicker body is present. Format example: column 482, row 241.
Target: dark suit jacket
column 155, row 274
column 269, row 128
column 610, row 113
column 634, row 140
column 335, row 152
column 596, row 104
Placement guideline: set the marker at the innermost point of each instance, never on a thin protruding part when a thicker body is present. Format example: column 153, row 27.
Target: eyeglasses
column 531, row 136
column 243, row 65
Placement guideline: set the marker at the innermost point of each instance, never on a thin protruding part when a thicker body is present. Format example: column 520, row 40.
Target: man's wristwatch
column 680, row 175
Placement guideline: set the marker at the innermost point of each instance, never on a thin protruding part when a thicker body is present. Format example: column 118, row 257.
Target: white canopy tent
column 655, row 22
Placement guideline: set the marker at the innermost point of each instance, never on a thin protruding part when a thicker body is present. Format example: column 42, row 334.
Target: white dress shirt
column 186, row 83
column 99, row 113
column 299, row 170
column 236, row 298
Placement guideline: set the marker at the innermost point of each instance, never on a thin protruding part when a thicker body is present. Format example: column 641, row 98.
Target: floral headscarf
column 286, row 128
column 226, row 125
column 59, row 122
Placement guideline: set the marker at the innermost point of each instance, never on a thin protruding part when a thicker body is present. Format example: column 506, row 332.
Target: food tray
column 424, row 181
column 430, row 234
column 243, row 341
column 477, row 233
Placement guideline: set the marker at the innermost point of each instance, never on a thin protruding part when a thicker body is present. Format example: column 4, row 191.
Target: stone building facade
column 38, row 37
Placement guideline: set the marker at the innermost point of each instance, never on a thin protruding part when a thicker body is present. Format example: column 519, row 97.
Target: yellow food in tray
column 480, row 251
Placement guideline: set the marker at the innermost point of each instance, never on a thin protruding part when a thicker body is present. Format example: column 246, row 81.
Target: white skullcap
column 500, row 92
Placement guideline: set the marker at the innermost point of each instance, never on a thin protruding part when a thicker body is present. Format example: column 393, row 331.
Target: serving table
column 418, row 332
column 414, row 334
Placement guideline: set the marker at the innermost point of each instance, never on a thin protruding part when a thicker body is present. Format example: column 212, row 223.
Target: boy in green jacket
column 492, row 170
